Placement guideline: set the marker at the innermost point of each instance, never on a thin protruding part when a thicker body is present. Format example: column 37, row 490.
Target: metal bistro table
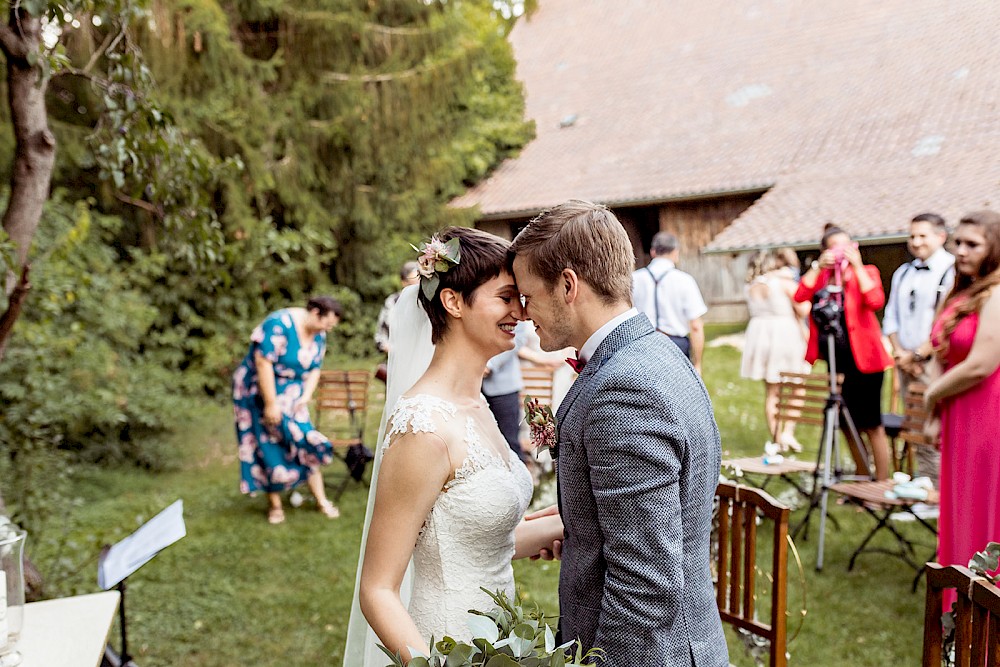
column 67, row 632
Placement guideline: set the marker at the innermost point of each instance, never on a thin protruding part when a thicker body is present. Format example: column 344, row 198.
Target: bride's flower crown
column 436, row 257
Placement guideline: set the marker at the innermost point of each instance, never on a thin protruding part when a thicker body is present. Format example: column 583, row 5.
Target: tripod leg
column 859, row 451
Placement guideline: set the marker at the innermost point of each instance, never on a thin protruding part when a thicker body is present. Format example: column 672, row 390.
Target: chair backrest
column 343, row 394
column 802, row 399
column 537, row 382
column 739, row 507
column 915, row 415
column 977, row 617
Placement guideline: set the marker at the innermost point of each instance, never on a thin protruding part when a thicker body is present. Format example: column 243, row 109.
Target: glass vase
column 12, row 592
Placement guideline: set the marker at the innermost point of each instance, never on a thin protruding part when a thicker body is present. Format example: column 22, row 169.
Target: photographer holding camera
column 846, row 294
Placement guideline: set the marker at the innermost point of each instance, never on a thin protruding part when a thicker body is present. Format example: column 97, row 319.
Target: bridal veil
column 410, row 352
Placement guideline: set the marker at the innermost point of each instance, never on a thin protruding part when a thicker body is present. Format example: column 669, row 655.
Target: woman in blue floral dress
column 272, row 387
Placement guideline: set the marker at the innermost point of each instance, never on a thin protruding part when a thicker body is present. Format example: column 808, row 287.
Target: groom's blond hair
column 586, row 238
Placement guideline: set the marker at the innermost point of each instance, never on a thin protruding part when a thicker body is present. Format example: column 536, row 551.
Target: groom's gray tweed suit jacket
column 638, row 463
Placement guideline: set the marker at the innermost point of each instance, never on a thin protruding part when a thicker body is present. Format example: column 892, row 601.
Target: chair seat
column 756, row 466
column 874, row 493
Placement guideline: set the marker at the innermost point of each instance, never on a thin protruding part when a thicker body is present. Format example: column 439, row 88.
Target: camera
column 827, row 310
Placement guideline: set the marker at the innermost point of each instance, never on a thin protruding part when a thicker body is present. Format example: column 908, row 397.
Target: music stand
column 118, row 561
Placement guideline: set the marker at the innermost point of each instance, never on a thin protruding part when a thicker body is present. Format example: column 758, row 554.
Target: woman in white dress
column 450, row 493
column 776, row 335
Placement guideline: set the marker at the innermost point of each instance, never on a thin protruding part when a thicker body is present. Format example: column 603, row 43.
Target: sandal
column 328, row 509
column 275, row 515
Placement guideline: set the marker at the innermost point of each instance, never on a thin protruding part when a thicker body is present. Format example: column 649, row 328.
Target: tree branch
column 12, row 45
column 139, row 203
column 14, row 304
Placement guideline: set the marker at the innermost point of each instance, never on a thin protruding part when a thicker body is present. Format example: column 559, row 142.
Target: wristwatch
column 814, row 266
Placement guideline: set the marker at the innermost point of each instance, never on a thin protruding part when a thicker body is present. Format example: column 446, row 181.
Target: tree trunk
column 35, row 151
column 34, row 157
column 35, row 146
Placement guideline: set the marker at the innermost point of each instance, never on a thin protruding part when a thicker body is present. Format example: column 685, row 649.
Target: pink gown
column 970, row 456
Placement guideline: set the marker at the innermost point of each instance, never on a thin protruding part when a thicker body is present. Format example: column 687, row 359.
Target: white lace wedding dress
column 467, row 540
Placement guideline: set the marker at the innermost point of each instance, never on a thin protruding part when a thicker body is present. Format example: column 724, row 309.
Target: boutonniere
column 542, row 425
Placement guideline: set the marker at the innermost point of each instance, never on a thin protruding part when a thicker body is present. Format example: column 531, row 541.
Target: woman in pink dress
column 966, row 336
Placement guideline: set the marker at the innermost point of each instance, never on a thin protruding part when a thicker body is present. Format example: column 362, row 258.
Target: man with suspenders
column 670, row 298
column 916, row 291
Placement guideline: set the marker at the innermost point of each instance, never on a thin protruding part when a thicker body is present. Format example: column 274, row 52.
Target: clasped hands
column 272, row 411
column 553, row 551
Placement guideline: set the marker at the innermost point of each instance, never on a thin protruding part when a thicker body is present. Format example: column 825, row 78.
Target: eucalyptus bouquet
column 506, row 636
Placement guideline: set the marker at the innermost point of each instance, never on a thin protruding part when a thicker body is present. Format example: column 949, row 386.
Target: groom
column 638, row 451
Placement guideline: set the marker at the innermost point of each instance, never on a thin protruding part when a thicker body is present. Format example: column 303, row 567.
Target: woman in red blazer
column 860, row 354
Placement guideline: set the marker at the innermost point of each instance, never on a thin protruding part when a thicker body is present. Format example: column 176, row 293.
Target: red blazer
column 863, row 330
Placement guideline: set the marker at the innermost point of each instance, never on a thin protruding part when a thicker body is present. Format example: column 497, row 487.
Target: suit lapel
column 624, row 333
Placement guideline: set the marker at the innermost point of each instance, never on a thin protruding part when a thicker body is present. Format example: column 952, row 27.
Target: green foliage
column 74, row 377
column 506, row 636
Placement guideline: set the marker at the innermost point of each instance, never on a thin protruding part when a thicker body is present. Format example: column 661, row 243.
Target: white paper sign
column 3, row 609
column 139, row 548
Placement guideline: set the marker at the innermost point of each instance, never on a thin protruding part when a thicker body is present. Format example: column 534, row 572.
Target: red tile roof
column 860, row 112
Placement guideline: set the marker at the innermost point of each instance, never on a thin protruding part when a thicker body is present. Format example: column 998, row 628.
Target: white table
column 68, row 632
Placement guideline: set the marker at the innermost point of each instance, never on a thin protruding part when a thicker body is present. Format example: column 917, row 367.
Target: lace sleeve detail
column 417, row 414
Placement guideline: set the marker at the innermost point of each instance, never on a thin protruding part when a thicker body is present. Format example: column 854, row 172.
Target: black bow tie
column 921, row 267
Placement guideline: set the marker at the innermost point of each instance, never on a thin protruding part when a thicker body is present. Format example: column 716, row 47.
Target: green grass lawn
column 237, row 591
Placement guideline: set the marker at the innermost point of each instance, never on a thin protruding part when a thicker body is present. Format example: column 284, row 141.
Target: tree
column 147, row 162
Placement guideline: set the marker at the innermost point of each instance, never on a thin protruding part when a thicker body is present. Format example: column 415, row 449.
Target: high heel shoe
column 789, row 443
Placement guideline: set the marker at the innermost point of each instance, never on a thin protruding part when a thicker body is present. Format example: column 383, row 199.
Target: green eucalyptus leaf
column 480, row 626
column 550, row 640
column 501, row 660
column 454, row 250
column 461, row 656
column 429, row 287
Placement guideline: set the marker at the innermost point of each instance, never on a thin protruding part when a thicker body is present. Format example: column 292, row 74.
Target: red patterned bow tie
column 576, row 363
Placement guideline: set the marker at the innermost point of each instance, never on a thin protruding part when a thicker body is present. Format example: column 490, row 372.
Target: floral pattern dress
column 279, row 458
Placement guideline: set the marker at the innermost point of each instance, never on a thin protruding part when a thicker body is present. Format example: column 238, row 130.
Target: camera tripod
column 829, row 471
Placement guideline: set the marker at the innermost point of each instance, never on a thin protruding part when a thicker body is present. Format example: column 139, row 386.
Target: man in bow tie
column 638, row 449
column 917, row 289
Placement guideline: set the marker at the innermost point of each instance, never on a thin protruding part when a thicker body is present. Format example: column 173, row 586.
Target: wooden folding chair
column 802, row 399
column 342, row 397
column 537, row 382
column 976, row 616
column 739, row 509
column 871, row 495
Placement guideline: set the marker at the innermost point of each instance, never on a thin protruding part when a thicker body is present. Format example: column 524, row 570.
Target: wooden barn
column 741, row 124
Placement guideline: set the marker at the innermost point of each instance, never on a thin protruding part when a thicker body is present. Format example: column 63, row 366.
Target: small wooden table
column 68, row 632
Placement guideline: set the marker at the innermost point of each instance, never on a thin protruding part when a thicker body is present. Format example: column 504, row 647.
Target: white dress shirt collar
column 596, row 338
column 941, row 258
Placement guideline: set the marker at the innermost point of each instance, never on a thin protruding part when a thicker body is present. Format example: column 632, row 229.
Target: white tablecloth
column 67, row 632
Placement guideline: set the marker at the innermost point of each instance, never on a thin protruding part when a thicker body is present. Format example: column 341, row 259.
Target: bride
column 450, row 494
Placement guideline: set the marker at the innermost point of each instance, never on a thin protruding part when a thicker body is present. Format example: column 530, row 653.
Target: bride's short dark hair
column 484, row 257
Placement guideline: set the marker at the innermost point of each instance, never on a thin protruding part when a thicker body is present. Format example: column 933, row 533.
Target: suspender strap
column 656, row 300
